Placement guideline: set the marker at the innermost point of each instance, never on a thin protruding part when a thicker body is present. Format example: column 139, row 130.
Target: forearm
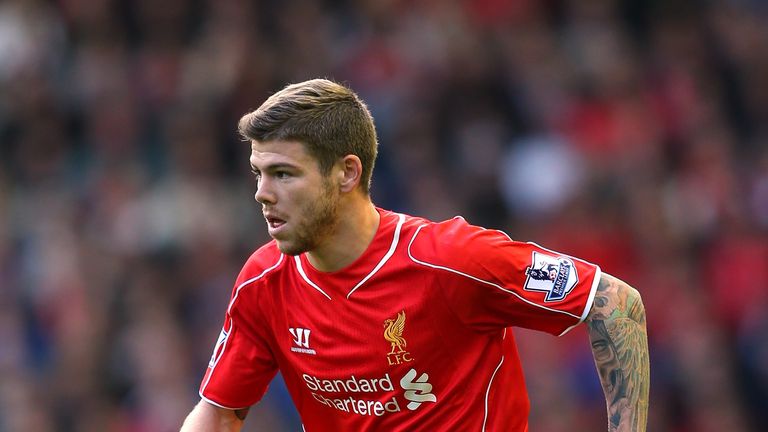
column 208, row 418
column 617, row 332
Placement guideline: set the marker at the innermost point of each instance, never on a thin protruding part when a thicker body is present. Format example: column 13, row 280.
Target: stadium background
column 630, row 133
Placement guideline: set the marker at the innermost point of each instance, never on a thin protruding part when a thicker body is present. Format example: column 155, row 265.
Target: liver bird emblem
column 393, row 332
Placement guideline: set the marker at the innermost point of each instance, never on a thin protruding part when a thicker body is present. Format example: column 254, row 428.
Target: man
column 380, row 321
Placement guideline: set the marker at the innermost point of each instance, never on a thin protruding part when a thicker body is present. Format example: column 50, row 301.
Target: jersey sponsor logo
column 218, row 350
column 301, row 340
column 417, row 391
column 393, row 333
column 354, row 394
column 352, row 384
column 371, row 396
column 555, row 276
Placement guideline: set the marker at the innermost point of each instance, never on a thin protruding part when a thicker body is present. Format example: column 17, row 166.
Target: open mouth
column 275, row 223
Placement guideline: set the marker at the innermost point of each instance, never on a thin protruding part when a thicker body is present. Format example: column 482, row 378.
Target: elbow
column 635, row 306
column 614, row 299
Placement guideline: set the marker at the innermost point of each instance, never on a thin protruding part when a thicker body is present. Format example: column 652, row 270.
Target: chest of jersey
column 393, row 348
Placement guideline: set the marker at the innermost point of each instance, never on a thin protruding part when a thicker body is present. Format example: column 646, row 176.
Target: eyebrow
column 275, row 166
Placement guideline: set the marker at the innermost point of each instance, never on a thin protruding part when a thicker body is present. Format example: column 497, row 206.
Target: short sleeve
column 242, row 364
column 491, row 281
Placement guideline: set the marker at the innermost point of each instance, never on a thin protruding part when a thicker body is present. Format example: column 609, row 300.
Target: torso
column 344, row 374
column 411, row 336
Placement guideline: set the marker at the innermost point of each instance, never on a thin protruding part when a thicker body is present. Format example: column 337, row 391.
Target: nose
column 264, row 195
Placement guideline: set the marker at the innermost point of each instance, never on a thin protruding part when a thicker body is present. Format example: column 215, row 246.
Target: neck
column 358, row 223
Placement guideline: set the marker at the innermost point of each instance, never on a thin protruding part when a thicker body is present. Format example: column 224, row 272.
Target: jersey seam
column 488, row 391
column 475, row 278
column 440, row 292
column 250, row 281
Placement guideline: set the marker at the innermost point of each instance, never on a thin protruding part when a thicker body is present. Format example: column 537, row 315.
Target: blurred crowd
column 632, row 133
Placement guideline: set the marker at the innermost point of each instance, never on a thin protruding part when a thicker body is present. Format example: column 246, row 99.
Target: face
column 299, row 204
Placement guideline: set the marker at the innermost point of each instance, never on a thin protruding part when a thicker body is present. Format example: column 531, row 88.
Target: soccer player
column 380, row 321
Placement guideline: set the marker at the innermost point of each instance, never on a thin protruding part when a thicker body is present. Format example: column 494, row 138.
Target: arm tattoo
column 616, row 326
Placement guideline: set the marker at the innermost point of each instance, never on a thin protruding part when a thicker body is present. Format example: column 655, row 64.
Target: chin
column 289, row 248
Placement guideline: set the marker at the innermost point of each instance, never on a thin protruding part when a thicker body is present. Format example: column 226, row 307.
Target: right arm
column 242, row 364
column 206, row 417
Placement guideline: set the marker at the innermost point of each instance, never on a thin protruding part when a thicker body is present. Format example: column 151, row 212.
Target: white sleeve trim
column 218, row 404
column 590, row 300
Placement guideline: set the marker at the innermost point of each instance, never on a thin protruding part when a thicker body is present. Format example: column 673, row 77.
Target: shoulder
column 453, row 240
column 426, row 228
column 452, row 233
column 258, row 269
column 264, row 261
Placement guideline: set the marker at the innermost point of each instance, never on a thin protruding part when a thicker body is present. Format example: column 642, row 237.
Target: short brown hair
column 327, row 117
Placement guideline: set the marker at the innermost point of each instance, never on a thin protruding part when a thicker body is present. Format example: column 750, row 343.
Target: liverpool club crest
column 393, row 333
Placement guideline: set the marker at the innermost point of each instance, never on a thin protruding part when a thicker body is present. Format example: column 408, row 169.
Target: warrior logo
column 301, row 340
column 393, row 333
column 555, row 276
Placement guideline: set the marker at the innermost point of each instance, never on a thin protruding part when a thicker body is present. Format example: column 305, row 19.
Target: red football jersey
column 411, row 336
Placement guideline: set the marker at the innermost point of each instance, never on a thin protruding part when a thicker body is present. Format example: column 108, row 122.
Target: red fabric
column 453, row 288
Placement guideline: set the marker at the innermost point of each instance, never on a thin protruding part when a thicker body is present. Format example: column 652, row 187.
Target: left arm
column 616, row 326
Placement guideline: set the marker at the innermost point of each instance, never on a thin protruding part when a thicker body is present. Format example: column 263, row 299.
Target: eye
column 282, row 175
column 256, row 173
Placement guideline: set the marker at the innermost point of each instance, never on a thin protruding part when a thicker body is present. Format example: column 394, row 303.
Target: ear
column 350, row 174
